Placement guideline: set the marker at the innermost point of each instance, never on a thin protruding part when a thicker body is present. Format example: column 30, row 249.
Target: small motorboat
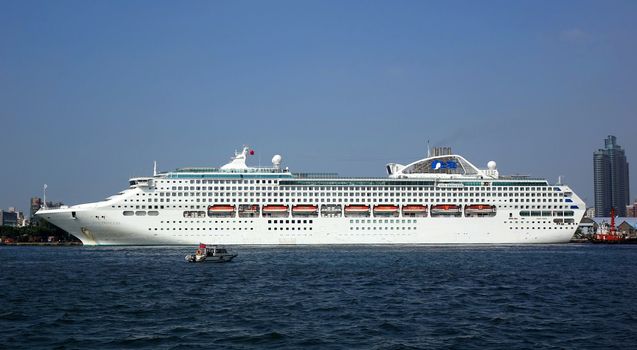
column 212, row 254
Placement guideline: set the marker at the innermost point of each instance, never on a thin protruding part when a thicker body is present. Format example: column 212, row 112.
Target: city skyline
column 93, row 93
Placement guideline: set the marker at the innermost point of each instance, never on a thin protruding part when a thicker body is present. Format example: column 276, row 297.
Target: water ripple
column 411, row 297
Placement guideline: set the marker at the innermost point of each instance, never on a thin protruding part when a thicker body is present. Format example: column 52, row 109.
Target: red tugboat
column 611, row 235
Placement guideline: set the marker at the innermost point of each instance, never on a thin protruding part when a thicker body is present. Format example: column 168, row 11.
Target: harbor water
column 369, row 297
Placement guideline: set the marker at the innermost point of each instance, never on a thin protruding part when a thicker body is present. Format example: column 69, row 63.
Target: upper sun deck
column 437, row 169
column 442, row 167
column 230, row 171
column 238, row 169
column 203, row 172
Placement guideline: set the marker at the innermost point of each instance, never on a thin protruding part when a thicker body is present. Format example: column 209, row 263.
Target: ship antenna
column 428, row 150
column 154, row 168
column 44, row 196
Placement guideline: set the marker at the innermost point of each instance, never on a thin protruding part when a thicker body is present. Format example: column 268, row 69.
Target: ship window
column 140, row 213
column 127, row 213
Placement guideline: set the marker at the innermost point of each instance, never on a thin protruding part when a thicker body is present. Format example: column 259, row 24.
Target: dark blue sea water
column 375, row 297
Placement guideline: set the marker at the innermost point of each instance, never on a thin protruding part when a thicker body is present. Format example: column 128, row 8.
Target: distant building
column 610, row 178
column 36, row 204
column 53, row 205
column 590, row 212
column 12, row 217
column 626, row 228
column 8, row 218
column 631, row 210
column 440, row 151
column 22, row 221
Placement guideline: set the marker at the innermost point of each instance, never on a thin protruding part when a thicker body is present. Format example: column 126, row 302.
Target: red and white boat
column 609, row 234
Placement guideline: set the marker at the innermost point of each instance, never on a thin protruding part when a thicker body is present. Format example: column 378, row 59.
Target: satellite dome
column 276, row 160
column 491, row 165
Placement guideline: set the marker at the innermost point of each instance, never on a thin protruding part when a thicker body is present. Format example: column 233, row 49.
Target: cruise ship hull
column 437, row 200
column 100, row 227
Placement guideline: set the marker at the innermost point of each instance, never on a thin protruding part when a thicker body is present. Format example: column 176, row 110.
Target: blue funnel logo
column 437, row 165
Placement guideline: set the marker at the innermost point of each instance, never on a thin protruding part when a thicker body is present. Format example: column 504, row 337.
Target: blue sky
column 91, row 92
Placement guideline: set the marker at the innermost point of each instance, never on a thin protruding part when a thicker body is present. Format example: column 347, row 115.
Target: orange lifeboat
column 305, row 209
column 386, row 208
column 275, row 208
column 354, row 208
column 414, row 208
column 480, row 209
column 221, row 208
column 445, row 209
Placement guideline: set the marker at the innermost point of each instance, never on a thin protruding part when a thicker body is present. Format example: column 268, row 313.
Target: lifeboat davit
column 305, row 209
column 221, row 208
column 445, row 209
column 385, row 208
column 354, row 208
column 275, row 208
column 414, row 208
column 249, row 209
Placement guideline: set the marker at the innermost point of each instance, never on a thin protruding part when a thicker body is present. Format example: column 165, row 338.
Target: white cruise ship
column 436, row 200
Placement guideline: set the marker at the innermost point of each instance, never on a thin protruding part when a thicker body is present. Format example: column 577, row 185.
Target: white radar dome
column 491, row 165
column 276, row 160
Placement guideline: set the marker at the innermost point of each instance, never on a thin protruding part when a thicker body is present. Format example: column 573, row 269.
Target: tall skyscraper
column 610, row 179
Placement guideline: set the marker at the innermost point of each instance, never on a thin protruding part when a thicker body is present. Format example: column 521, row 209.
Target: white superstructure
column 442, row 199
